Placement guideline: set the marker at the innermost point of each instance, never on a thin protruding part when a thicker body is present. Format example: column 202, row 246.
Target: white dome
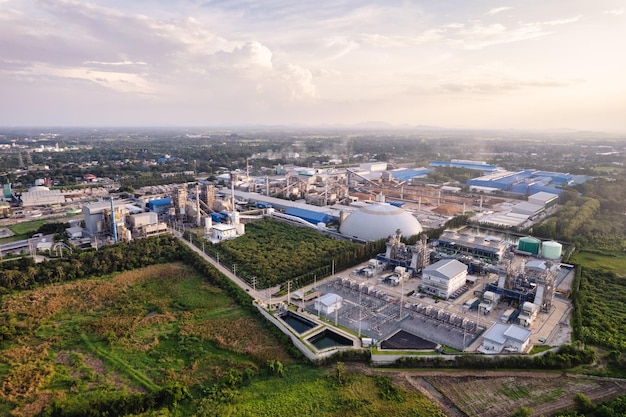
column 379, row 221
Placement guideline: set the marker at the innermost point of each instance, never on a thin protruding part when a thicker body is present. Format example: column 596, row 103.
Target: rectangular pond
column 327, row 339
column 297, row 322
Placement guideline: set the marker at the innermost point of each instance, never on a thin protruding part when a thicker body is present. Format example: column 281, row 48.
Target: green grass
column 377, row 351
column 514, row 393
column 128, row 336
column 615, row 263
column 27, row 228
column 119, row 364
column 306, row 391
column 538, row 349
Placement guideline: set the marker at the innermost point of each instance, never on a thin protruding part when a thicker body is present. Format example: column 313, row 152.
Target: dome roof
column 379, row 221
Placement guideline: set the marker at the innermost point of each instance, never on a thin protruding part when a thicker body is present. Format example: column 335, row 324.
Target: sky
column 494, row 64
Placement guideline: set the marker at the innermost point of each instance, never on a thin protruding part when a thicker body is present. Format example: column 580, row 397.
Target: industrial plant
column 466, row 289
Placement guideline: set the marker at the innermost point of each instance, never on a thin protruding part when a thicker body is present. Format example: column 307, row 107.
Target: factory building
column 406, row 174
column 444, row 277
column 543, row 199
column 227, row 226
column 523, row 182
column 522, row 212
column 98, row 217
column 460, row 163
column 505, row 337
column 41, row 196
column 160, row 206
column 486, row 248
column 145, row 225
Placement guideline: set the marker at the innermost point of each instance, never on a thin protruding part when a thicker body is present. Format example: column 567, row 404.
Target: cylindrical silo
column 551, row 250
column 529, row 244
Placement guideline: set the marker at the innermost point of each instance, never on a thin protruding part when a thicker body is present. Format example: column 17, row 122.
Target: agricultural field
column 134, row 332
column 496, row 394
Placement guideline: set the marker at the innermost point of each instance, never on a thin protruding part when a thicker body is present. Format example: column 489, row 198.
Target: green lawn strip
column 376, row 351
column 27, row 227
column 120, row 365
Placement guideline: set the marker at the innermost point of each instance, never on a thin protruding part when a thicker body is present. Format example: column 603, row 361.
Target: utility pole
column 235, row 270
column 288, row 292
column 254, row 283
column 360, row 293
column 401, row 298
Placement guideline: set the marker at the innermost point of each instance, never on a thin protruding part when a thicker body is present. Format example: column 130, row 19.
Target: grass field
column 306, row 391
column 27, row 228
column 615, row 263
column 134, row 332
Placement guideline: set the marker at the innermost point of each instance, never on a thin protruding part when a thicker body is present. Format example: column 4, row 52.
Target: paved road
column 263, row 295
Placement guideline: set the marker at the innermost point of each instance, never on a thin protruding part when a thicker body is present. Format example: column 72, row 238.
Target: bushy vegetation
column 566, row 357
column 306, row 391
column 275, row 252
column 594, row 221
column 24, row 273
column 599, row 309
column 585, row 408
column 138, row 340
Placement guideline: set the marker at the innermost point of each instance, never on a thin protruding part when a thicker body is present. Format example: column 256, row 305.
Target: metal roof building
column 310, row 216
column 444, row 277
column 507, row 337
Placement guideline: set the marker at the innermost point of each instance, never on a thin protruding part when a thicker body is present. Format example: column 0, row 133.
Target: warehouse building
column 41, row 196
column 505, row 337
column 444, row 277
column 523, row 182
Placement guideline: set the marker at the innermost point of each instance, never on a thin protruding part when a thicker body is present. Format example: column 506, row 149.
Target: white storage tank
column 551, row 250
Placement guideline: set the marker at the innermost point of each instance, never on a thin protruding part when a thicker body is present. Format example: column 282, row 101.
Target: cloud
column 300, row 81
column 116, row 81
column 497, row 10
column 251, row 55
column 563, row 21
column 614, row 12
column 502, row 86
column 478, row 35
column 383, row 41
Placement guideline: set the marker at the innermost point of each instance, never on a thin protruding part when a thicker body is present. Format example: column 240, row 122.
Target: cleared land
column 500, row 393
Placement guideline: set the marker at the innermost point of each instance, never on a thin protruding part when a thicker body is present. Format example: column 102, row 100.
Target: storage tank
column 551, row 250
column 529, row 244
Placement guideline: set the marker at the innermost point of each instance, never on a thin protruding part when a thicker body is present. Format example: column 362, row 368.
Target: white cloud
column 116, row 81
column 115, row 64
column 301, row 82
column 563, row 21
column 478, row 35
column 614, row 12
column 497, row 10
